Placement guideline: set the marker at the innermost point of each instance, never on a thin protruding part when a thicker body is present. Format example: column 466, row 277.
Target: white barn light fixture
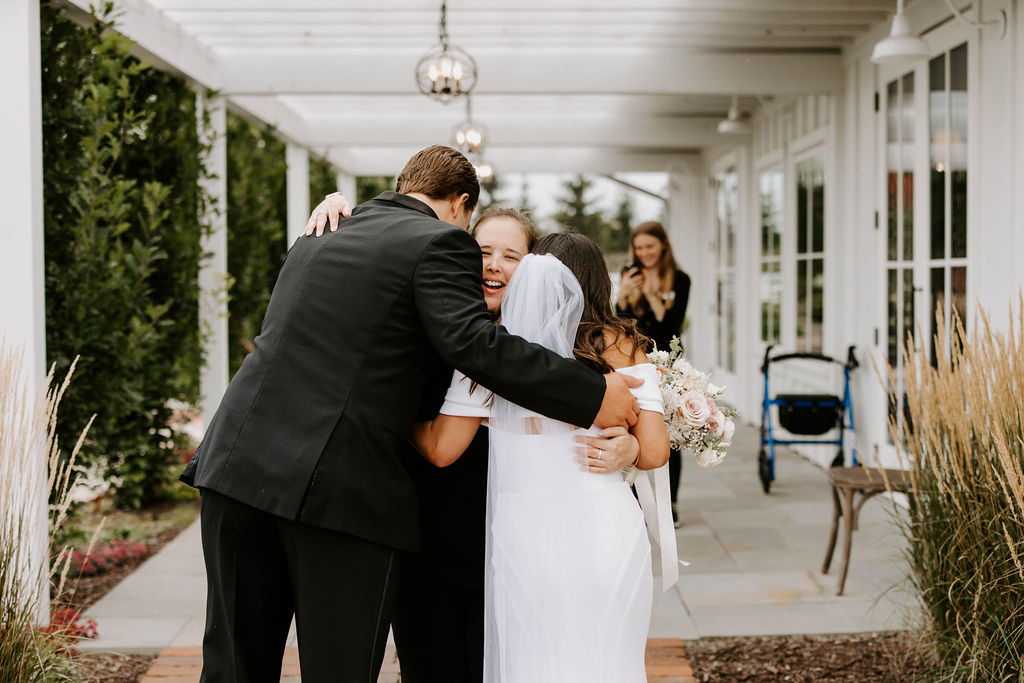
column 733, row 125
column 446, row 71
column 901, row 46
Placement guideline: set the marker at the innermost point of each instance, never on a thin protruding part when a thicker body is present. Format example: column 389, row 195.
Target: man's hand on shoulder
column 619, row 407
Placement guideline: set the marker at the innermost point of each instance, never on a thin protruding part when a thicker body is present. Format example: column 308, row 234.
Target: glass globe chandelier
column 484, row 170
column 446, row 71
column 469, row 136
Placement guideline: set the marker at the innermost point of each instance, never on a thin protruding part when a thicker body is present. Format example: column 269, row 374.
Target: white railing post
column 297, row 183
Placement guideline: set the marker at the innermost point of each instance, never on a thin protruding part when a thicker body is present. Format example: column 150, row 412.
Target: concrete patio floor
column 756, row 562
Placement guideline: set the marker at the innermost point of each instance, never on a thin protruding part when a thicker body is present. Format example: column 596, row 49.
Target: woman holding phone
column 654, row 292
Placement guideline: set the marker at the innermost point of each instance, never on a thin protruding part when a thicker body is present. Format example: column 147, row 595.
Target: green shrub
column 120, row 169
column 962, row 438
column 257, row 235
column 323, row 180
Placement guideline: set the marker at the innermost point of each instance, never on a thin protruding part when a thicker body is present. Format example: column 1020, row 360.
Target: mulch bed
column 108, row 667
column 888, row 657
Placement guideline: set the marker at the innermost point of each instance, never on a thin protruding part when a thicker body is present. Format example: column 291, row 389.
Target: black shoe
column 675, row 517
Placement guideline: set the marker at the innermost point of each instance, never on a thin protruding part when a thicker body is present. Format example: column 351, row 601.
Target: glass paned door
column 770, row 284
column 810, row 253
column 726, row 217
column 947, row 254
column 899, row 238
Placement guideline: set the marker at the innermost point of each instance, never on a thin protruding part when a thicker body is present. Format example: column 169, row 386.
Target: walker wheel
column 764, row 470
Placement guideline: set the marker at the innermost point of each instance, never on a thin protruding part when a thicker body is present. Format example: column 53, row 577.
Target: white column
column 22, row 312
column 297, row 182
column 690, row 237
column 213, row 272
column 347, row 186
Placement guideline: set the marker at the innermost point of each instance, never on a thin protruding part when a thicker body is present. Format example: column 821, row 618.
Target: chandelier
column 469, row 136
column 446, row 71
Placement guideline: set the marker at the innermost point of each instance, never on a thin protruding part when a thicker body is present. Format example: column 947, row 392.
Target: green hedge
column 121, row 200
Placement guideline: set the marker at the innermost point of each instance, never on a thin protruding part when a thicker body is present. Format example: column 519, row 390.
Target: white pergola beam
column 22, row 312
column 213, row 270
column 563, row 72
column 556, row 131
column 390, row 160
column 840, row 6
column 163, row 42
column 466, row 20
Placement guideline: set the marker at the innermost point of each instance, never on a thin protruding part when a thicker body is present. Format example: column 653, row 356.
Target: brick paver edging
column 666, row 663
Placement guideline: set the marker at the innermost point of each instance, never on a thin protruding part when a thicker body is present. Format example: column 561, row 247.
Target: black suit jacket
column 312, row 426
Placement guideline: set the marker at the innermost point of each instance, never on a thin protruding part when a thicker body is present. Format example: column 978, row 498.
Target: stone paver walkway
column 756, row 562
column 666, row 663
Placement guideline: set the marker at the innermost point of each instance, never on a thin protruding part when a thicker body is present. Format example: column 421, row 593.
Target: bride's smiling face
column 503, row 243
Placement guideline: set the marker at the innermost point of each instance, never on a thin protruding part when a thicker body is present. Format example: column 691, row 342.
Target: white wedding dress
column 568, row 572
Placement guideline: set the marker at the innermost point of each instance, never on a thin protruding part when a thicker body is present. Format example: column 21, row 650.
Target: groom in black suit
column 306, row 504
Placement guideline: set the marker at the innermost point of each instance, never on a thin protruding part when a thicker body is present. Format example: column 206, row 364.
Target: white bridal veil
column 568, row 561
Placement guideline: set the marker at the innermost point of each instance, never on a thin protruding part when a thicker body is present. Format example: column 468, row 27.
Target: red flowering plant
column 103, row 557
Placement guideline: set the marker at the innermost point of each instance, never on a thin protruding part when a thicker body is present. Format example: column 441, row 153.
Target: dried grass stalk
column 27, row 435
column 961, row 439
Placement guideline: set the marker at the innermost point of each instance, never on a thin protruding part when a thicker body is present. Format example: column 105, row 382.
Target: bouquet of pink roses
column 694, row 420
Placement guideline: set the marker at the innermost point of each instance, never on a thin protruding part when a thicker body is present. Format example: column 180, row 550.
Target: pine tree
column 579, row 213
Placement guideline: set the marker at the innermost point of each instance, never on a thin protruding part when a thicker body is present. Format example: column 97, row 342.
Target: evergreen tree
column 489, row 189
column 622, row 223
column 578, row 213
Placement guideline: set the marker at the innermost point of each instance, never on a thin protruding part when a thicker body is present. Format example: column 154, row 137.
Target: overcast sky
column 544, row 189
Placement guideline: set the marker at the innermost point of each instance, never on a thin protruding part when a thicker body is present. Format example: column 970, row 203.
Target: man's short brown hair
column 440, row 173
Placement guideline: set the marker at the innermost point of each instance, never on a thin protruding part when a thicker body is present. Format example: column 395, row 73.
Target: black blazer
column 312, row 426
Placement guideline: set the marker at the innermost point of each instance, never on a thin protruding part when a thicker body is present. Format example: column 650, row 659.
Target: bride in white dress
column 568, row 577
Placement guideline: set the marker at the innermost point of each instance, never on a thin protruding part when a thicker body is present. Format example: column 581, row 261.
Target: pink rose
column 716, row 421
column 695, row 410
column 709, row 458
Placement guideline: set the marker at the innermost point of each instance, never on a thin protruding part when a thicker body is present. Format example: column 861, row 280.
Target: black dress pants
column 675, row 472
column 439, row 631
column 262, row 569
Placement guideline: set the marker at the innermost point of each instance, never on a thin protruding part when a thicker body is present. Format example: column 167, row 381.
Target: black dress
column 439, row 620
column 661, row 333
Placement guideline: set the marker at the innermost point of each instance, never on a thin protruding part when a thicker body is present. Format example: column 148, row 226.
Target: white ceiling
column 623, row 85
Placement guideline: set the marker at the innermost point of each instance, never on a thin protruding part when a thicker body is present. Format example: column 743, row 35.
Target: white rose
column 716, row 422
column 728, row 429
column 709, row 458
column 683, row 366
column 694, row 410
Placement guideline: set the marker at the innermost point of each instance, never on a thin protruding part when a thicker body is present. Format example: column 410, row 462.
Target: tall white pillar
column 213, row 272
column 347, row 186
column 22, row 313
column 297, row 182
column 688, row 232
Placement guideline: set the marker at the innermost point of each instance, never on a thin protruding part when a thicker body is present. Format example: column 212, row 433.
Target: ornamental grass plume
column 27, row 434
column 962, row 439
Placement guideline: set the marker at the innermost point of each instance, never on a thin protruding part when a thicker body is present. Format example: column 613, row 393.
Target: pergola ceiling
column 603, row 84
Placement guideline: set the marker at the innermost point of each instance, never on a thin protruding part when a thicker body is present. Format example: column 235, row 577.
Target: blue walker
column 804, row 414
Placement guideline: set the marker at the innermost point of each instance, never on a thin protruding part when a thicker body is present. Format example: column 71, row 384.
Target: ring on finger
column 321, row 213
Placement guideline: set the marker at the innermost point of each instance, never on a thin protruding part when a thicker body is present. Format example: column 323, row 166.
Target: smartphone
column 630, row 265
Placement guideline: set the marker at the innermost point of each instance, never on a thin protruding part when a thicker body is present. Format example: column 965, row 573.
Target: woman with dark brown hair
column 568, row 583
column 654, row 292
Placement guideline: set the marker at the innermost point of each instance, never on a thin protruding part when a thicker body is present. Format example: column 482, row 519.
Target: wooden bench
column 846, row 483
